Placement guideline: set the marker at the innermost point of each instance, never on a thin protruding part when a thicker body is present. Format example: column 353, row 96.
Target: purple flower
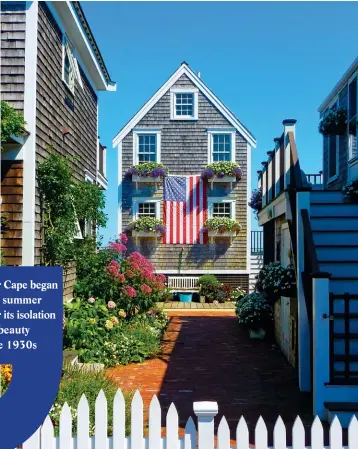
column 131, row 171
column 203, row 230
column 237, row 172
column 143, row 173
column 220, row 174
column 161, row 228
column 159, row 171
column 207, row 173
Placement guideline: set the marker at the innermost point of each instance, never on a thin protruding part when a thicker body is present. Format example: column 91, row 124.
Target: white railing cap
column 206, row 408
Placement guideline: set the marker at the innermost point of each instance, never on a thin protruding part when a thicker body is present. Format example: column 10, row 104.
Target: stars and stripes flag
column 185, row 209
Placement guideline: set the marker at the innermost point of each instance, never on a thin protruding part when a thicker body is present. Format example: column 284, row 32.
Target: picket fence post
column 205, row 412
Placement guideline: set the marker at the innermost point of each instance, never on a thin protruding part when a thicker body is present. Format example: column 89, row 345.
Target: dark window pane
column 353, row 99
column 332, row 156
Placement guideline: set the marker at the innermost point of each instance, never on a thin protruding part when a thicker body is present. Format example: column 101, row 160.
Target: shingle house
column 52, row 70
column 184, row 127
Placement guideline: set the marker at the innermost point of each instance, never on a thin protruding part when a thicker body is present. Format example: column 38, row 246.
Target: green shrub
column 104, row 335
column 207, row 283
column 254, row 311
column 221, row 225
column 275, row 280
column 350, row 190
column 76, row 382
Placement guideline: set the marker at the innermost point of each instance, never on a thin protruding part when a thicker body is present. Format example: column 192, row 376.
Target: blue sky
column 266, row 61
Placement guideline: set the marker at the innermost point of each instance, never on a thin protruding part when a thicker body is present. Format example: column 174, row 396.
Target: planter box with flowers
column 218, row 227
column 147, row 227
column 148, row 172
column 334, row 123
column 224, row 172
column 274, row 281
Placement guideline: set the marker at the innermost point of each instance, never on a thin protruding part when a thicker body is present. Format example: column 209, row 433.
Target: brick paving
column 207, row 356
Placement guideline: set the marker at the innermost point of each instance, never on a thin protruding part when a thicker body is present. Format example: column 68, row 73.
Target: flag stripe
column 184, row 214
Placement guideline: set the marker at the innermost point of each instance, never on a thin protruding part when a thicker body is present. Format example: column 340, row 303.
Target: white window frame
column 136, row 133
column 67, row 48
column 212, row 132
column 137, row 200
column 221, row 199
column 352, row 156
column 173, row 92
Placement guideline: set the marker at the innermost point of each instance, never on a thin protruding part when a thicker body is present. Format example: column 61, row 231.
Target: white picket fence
column 203, row 438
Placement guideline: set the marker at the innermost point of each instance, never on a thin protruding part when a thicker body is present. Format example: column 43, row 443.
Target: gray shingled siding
column 184, row 149
column 13, row 22
column 343, row 152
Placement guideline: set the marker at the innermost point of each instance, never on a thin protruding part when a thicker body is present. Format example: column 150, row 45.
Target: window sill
column 184, row 119
column 334, row 178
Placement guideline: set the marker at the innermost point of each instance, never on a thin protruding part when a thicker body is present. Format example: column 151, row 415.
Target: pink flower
column 146, row 289
column 123, row 238
column 119, row 247
column 130, row 291
column 121, row 277
column 129, row 273
column 162, row 277
column 111, row 305
column 91, row 300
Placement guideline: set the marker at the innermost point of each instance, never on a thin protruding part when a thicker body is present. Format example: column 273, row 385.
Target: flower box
column 141, row 234
column 147, row 179
column 223, row 179
column 222, row 234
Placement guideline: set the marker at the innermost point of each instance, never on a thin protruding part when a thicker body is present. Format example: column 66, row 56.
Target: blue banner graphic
column 31, row 314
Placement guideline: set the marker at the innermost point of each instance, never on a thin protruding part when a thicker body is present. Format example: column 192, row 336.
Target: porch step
column 339, row 268
column 334, row 209
column 342, row 284
column 341, row 223
column 343, row 410
column 336, row 238
column 336, row 253
column 327, row 196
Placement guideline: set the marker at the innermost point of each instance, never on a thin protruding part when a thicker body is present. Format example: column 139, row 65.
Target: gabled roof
column 184, row 69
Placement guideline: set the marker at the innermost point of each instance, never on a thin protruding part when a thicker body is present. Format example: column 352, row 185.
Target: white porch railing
column 182, row 283
column 205, row 411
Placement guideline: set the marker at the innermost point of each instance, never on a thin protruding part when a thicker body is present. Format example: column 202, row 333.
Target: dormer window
column 184, row 104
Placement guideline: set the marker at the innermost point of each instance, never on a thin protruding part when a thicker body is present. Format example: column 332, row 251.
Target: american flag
column 185, row 209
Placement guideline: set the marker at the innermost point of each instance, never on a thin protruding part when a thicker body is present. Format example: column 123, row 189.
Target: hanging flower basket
column 147, row 170
column 334, row 123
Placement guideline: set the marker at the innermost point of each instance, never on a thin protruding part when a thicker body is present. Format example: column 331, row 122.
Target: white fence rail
column 184, row 283
column 205, row 411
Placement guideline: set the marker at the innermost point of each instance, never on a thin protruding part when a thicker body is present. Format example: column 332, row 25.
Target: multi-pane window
column 184, row 104
column 147, row 148
column 221, row 147
column 146, row 210
column 222, row 210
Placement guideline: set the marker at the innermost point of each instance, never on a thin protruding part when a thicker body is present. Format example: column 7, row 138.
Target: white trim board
column 29, row 148
column 184, row 69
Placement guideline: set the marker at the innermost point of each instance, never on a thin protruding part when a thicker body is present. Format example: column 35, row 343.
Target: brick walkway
column 206, row 356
